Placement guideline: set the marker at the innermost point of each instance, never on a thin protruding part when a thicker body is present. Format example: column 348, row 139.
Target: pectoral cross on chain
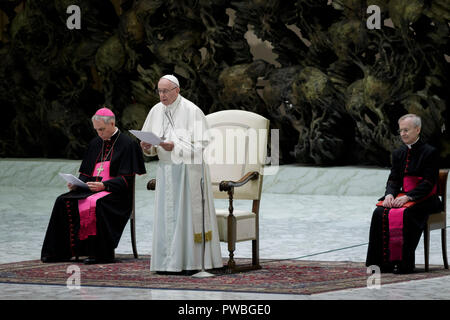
column 100, row 169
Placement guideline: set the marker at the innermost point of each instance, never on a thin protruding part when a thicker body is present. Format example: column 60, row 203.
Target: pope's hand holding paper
column 148, row 137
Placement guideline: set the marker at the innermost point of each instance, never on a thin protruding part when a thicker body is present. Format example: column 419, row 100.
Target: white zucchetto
column 171, row 78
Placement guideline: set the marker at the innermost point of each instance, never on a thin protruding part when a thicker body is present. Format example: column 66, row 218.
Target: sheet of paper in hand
column 70, row 178
column 148, row 137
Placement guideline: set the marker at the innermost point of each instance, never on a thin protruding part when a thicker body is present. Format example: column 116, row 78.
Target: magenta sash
column 410, row 183
column 86, row 207
column 396, row 220
column 396, row 233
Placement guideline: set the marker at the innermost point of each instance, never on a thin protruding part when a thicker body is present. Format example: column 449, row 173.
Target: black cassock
column 112, row 211
column 421, row 161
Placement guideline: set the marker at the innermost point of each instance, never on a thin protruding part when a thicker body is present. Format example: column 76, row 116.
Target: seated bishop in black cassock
column 410, row 197
column 90, row 221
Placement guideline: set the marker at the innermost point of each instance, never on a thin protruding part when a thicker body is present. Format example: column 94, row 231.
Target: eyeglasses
column 403, row 130
column 164, row 91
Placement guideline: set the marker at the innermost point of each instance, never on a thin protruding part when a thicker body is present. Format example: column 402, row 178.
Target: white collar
column 410, row 145
column 173, row 106
column 117, row 129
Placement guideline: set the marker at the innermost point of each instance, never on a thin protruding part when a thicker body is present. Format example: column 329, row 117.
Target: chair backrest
column 442, row 187
column 238, row 146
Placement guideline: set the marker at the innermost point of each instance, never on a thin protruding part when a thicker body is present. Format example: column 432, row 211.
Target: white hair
column 416, row 119
column 105, row 119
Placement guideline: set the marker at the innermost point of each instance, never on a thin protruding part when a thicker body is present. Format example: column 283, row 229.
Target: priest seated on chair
column 410, row 197
column 89, row 221
column 178, row 234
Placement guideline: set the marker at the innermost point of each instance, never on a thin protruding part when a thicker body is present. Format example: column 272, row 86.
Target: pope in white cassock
column 177, row 229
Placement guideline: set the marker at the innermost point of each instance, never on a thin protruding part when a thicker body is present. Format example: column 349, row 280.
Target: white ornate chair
column 236, row 157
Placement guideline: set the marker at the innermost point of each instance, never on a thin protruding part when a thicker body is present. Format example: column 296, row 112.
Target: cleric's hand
column 168, row 146
column 145, row 146
column 96, row 186
column 388, row 200
column 400, row 201
column 71, row 186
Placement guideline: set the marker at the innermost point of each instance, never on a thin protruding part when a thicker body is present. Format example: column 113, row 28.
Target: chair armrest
column 228, row 185
column 151, row 185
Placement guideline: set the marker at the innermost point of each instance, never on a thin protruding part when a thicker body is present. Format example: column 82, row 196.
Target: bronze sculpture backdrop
column 335, row 91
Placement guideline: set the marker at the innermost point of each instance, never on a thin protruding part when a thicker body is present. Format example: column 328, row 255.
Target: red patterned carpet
column 276, row 276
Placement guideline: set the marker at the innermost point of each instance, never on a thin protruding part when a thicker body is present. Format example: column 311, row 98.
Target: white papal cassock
column 177, row 229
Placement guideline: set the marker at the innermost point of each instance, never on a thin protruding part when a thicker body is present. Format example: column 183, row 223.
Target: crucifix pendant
column 100, row 169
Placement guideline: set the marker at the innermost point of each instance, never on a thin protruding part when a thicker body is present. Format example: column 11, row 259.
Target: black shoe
column 189, row 272
column 94, row 260
column 403, row 270
column 90, row 260
column 53, row 259
column 386, row 268
column 177, row 273
column 48, row 259
column 396, row 269
column 163, row 273
column 75, row 259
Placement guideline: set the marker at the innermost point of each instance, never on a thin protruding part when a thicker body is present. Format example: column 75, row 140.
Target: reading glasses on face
column 403, row 130
column 164, row 91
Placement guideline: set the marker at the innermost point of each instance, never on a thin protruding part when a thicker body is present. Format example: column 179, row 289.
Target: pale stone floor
column 291, row 226
column 284, row 234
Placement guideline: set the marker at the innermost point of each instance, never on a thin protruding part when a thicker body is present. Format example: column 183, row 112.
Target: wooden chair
column 243, row 134
column 438, row 221
column 133, row 221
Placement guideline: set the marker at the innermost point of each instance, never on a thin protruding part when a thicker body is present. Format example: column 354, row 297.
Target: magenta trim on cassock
column 410, row 182
column 396, row 233
column 87, row 207
column 396, row 220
